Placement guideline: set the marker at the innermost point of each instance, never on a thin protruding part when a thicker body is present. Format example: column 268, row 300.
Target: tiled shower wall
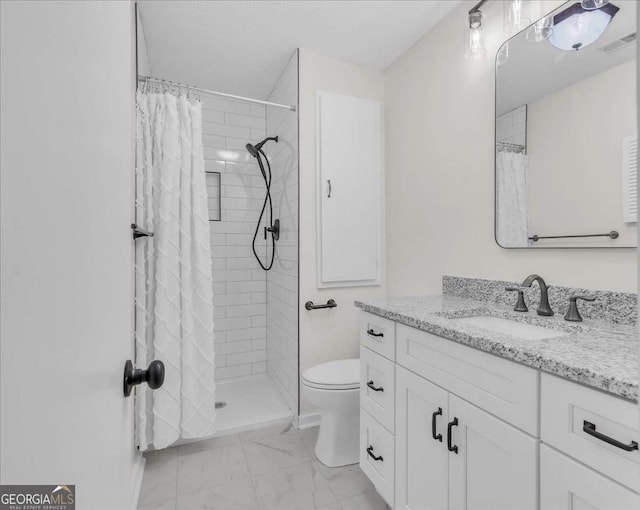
column 511, row 127
column 282, row 280
column 239, row 288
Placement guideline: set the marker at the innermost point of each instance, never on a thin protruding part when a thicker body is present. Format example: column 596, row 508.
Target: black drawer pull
column 437, row 437
column 374, row 457
column 370, row 384
column 450, row 447
column 371, row 332
column 590, row 428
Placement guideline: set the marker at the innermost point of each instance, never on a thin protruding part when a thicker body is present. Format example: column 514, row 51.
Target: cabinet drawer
column 503, row 388
column 377, row 387
column 568, row 485
column 376, row 441
column 568, row 408
column 378, row 334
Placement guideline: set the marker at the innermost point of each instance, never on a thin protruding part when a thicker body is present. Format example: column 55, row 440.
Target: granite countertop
column 597, row 354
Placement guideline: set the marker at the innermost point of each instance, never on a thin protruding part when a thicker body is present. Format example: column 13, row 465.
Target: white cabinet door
column 568, row 485
column 421, row 461
column 349, row 134
column 494, row 467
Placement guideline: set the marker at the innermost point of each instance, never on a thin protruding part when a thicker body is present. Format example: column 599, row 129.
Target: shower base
column 252, row 402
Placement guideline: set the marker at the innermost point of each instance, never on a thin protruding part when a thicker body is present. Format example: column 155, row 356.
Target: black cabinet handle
column 370, row 384
column 590, row 428
column 374, row 457
column 371, row 332
column 450, row 447
column 437, row 437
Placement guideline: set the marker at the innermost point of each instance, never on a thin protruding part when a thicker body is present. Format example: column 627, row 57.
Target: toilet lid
column 343, row 374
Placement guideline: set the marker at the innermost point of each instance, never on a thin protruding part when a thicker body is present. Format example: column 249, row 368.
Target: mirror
column 566, row 130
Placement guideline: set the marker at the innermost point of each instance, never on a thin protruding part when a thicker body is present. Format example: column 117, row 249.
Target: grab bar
column 310, row 306
column 611, row 235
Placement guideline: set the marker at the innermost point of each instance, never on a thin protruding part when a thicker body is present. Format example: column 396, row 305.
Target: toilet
column 334, row 388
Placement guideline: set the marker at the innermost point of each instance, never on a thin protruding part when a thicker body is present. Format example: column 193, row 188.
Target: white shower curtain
column 512, row 200
column 174, row 292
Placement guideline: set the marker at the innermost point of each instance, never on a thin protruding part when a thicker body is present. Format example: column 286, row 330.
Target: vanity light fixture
column 514, row 19
column 540, row 30
column 475, row 43
column 593, row 4
column 577, row 27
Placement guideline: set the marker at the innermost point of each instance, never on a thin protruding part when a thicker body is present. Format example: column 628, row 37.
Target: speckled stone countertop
column 597, row 354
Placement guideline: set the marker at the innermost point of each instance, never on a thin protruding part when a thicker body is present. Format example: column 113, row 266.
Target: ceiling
column 241, row 47
column 534, row 70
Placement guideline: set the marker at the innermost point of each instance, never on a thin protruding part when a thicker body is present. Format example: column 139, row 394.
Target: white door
column 495, row 466
column 67, row 86
column 421, row 444
column 568, row 485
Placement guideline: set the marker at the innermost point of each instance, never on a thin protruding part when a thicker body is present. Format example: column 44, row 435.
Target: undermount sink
column 509, row 327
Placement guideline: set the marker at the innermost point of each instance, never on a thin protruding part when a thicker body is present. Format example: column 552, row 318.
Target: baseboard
column 137, row 475
column 305, row 421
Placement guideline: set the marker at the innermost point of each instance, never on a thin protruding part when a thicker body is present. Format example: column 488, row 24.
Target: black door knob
column 153, row 376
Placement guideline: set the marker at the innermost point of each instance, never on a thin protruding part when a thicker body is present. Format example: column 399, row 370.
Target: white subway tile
column 225, row 105
column 259, row 368
column 230, row 372
column 246, row 310
column 233, row 119
column 258, row 344
column 258, row 110
column 239, row 358
column 231, row 275
column 231, row 324
column 234, row 347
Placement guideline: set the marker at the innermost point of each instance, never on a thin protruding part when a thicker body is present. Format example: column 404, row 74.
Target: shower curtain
column 512, row 200
column 174, row 289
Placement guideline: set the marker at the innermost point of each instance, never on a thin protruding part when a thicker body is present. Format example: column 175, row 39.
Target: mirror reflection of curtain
column 512, row 200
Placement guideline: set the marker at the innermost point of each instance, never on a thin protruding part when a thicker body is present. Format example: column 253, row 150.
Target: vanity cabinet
column 451, row 454
column 566, row 484
column 459, row 428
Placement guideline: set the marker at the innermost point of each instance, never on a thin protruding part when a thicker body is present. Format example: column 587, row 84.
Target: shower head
column 254, row 150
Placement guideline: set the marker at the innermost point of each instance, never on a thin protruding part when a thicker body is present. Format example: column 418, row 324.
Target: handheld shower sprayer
column 274, row 225
column 254, row 150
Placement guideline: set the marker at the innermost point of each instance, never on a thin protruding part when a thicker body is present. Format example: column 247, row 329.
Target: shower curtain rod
column 219, row 94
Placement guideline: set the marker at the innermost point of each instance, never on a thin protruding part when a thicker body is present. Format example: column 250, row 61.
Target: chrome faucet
column 544, row 308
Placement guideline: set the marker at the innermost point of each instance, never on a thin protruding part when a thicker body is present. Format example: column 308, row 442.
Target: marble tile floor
column 266, row 469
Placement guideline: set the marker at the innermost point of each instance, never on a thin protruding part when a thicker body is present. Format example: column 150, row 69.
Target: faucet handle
column 521, row 306
column 573, row 314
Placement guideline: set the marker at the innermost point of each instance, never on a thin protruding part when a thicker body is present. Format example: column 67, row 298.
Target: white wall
column 575, row 162
column 239, row 288
column 282, row 280
column 326, row 335
column 142, row 54
column 67, row 91
column 440, row 174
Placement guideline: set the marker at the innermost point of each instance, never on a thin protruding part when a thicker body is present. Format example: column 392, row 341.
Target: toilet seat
column 336, row 375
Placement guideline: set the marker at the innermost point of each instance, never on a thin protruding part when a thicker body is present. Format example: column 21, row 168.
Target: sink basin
column 509, row 327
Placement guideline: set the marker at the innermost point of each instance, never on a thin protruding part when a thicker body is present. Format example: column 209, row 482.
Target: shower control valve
column 274, row 229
